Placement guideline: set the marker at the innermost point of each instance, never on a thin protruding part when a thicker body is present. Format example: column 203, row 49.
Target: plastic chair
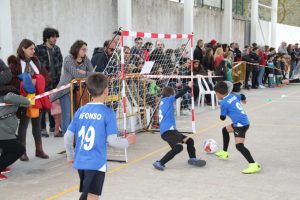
column 203, row 92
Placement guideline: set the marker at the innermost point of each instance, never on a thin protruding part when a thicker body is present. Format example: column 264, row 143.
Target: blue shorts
column 91, row 181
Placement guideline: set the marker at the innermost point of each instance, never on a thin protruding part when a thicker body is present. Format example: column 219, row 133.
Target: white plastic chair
column 211, row 73
column 178, row 106
column 203, row 92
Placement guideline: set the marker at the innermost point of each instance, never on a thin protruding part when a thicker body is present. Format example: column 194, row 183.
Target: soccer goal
column 142, row 64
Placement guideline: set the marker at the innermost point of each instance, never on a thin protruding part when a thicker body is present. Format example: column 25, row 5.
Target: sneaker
column 44, row 133
column 52, row 130
column 253, row 168
column 279, row 85
column 222, row 154
column 197, row 162
column 261, row 87
column 59, row 134
column 155, row 126
column 2, row 177
column 6, row 170
column 159, row 166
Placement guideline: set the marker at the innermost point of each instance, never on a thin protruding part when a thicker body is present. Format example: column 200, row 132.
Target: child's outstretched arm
column 184, row 90
column 16, row 99
column 68, row 141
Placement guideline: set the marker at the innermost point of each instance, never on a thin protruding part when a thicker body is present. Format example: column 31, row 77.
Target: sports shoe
column 222, row 154
column 52, row 130
column 197, row 162
column 261, row 87
column 6, row 170
column 253, row 168
column 159, row 166
column 44, row 133
column 59, row 134
column 2, row 177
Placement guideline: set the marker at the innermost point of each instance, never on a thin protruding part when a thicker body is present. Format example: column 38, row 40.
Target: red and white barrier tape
column 178, row 76
column 256, row 64
column 46, row 93
column 69, row 85
column 156, row 35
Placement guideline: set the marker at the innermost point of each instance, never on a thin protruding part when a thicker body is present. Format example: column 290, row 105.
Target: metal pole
column 254, row 20
column 123, row 84
column 227, row 22
column 188, row 16
column 192, row 89
column 274, row 22
column 125, row 16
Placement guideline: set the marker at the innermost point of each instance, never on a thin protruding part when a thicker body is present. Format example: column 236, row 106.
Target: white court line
column 293, row 96
column 285, row 101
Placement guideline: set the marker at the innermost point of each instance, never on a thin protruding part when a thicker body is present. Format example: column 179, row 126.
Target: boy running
column 93, row 126
column 230, row 105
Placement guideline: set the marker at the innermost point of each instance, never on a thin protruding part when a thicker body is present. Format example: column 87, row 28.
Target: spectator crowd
column 36, row 69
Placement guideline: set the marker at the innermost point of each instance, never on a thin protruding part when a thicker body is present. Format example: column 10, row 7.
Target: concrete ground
column 273, row 139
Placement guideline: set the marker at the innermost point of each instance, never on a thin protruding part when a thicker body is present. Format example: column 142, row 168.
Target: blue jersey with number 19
column 231, row 106
column 91, row 125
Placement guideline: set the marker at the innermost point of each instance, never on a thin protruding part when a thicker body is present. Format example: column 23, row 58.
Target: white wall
column 167, row 17
column 263, row 36
column 92, row 22
column 290, row 34
column 5, row 29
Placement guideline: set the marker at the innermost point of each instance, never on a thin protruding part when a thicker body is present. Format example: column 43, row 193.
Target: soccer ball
column 210, row 146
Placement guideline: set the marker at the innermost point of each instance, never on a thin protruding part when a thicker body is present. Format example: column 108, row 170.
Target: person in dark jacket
column 208, row 60
column 237, row 54
column 158, row 54
column 11, row 148
column 198, row 53
column 50, row 57
column 255, row 69
column 247, row 57
column 100, row 59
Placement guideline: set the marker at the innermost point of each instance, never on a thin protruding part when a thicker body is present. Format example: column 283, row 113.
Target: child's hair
column 221, row 87
column 167, row 91
column 96, row 84
column 226, row 54
column 271, row 56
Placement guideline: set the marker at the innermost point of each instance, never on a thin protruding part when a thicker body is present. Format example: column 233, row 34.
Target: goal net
column 142, row 64
column 140, row 67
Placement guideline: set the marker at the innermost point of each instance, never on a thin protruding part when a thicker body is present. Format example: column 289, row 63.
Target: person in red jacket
column 261, row 71
column 26, row 62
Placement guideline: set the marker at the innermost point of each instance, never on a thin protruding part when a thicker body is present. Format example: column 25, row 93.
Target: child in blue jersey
column 93, row 126
column 231, row 106
column 168, row 130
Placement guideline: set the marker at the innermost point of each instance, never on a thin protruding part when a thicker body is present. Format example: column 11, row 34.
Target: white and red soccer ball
column 210, row 146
